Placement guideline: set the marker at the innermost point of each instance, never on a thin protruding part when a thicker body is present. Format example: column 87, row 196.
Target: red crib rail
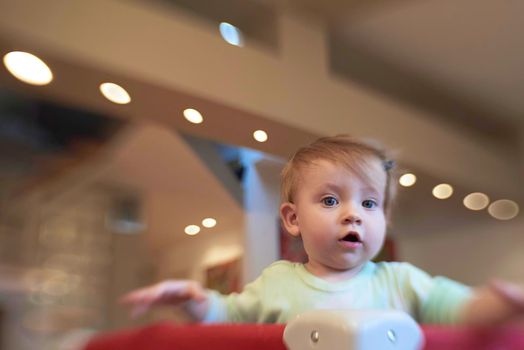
column 167, row 336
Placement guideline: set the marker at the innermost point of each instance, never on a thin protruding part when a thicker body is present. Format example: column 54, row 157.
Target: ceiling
column 463, row 63
column 470, row 48
column 464, row 53
column 277, row 82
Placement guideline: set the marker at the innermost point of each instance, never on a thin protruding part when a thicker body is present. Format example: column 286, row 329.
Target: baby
column 337, row 195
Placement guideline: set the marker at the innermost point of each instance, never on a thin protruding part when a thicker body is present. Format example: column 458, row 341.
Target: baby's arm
column 189, row 294
column 494, row 304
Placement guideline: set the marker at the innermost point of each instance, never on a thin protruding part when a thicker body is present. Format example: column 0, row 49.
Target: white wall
column 190, row 257
column 254, row 237
column 470, row 254
column 138, row 262
column 65, row 250
column 133, row 267
column 261, row 203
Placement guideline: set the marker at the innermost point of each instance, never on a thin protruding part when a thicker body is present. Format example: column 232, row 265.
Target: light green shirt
column 285, row 289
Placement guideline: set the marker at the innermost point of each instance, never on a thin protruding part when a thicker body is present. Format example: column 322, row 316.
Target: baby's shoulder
column 280, row 266
column 395, row 269
column 280, row 270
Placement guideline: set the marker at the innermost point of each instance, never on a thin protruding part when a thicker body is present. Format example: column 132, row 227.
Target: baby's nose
column 353, row 219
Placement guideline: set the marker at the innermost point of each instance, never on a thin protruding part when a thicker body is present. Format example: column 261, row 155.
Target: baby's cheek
column 313, row 240
column 376, row 244
column 317, row 233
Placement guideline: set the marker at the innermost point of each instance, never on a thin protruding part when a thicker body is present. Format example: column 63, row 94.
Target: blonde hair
column 355, row 155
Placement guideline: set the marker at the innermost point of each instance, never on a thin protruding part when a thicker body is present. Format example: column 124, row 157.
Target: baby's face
column 339, row 216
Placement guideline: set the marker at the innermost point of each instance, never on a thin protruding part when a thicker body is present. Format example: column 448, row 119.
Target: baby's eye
column 329, row 201
column 369, row 204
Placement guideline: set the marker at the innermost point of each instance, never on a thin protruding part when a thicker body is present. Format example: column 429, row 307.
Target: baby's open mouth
column 352, row 237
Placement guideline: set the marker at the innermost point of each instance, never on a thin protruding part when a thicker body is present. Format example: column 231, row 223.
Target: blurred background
column 125, row 124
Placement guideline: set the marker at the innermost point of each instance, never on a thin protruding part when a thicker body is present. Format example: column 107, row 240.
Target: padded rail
column 167, row 336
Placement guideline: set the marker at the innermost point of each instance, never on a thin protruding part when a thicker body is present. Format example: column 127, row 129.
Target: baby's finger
column 143, row 295
column 510, row 291
column 139, row 310
column 197, row 293
column 134, row 297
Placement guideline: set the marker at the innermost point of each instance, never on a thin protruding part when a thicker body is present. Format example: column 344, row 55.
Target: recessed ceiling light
column 193, row 116
column 407, row 180
column 476, row 201
column 231, row 34
column 503, row 209
column 209, row 222
column 115, row 93
column 443, row 191
column 192, row 230
column 260, row 136
column 28, row 68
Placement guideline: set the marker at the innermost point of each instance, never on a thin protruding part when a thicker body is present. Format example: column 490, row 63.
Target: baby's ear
column 289, row 218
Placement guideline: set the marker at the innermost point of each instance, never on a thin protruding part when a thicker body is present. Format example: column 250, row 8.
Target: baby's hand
column 510, row 292
column 169, row 292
